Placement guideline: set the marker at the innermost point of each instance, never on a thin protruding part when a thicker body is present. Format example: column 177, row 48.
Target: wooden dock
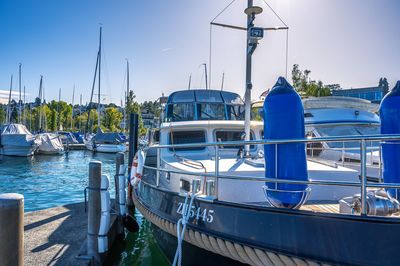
column 56, row 236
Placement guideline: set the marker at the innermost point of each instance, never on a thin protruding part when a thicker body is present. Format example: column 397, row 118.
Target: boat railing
column 363, row 184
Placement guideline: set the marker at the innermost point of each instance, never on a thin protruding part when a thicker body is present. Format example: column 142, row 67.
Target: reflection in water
column 141, row 247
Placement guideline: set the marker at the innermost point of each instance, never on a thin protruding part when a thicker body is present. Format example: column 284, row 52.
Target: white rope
column 180, row 232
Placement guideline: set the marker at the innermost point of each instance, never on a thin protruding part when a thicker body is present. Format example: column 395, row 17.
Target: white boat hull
column 107, row 148
column 21, row 151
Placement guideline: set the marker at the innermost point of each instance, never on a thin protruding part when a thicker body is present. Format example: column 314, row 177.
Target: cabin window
column 186, row 137
column 235, row 112
column 348, row 130
column 211, row 111
column 231, row 135
column 181, row 112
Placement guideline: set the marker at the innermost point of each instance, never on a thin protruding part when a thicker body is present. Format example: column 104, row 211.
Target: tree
column 2, row 114
column 383, row 83
column 112, row 119
column 305, row 86
column 133, row 107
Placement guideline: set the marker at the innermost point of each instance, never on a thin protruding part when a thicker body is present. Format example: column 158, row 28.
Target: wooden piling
column 11, row 229
column 119, row 161
column 94, row 209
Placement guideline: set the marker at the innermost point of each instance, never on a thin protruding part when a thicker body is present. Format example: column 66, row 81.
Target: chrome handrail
column 363, row 184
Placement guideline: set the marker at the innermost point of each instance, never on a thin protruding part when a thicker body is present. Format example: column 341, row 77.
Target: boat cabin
column 200, row 104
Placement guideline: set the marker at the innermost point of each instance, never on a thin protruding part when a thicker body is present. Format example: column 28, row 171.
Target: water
column 49, row 181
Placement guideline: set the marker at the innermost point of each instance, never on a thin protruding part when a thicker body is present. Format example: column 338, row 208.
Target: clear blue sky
column 352, row 43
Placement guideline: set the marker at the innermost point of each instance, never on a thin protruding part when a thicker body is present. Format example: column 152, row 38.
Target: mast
column 72, row 116
column 20, row 98
column 9, row 103
column 40, row 106
column 24, row 107
column 80, row 113
column 205, row 72
column 253, row 35
column 91, row 94
column 190, row 81
column 126, row 95
column 58, row 107
column 98, row 96
column 222, row 82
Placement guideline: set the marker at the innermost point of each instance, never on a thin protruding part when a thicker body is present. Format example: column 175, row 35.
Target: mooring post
column 11, row 229
column 94, row 209
column 119, row 172
column 133, row 147
column 133, row 138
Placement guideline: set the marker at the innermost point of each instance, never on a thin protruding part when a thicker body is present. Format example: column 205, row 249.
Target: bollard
column 133, row 147
column 94, row 209
column 119, row 161
column 11, row 229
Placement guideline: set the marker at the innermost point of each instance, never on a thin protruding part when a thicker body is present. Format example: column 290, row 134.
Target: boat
column 337, row 116
column 17, row 140
column 217, row 196
column 108, row 142
column 50, row 144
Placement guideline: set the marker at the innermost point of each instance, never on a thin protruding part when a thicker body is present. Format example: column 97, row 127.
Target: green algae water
column 50, row 181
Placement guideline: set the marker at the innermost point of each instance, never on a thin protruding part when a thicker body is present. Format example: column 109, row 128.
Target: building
column 373, row 94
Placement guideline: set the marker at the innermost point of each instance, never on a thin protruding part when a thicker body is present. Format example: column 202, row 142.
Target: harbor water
column 51, row 181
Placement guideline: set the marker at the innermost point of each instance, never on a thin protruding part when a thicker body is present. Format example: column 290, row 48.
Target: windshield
column 347, row 130
column 211, row 111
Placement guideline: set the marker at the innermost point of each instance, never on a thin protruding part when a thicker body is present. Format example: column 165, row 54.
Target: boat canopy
column 201, row 104
column 108, row 138
column 16, row 135
column 14, row 129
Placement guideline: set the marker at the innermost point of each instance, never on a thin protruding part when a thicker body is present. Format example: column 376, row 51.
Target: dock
column 57, row 236
column 54, row 236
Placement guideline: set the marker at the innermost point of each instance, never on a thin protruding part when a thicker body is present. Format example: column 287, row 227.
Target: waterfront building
column 373, row 94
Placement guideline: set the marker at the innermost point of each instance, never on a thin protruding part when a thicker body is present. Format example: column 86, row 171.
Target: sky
column 352, row 43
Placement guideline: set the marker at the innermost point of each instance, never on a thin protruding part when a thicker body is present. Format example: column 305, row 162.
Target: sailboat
column 214, row 199
column 109, row 142
column 50, row 143
column 16, row 139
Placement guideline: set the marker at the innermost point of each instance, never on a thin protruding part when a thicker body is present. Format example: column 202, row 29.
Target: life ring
column 137, row 168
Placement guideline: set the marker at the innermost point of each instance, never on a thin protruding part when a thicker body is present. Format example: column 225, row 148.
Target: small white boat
column 109, row 142
column 50, row 144
column 17, row 140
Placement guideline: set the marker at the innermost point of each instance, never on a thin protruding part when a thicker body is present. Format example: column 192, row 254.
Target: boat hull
column 107, row 148
column 20, row 151
column 303, row 235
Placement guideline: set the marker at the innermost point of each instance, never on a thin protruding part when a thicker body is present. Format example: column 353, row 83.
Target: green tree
column 53, row 120
column 133, row 107
column 384, row 84
column 113, row 119
column 2, row 114
column 307, row 87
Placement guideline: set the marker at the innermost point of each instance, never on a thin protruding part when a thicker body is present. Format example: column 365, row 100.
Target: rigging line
column 276, row 14
column 210, row 45
column 287, row 51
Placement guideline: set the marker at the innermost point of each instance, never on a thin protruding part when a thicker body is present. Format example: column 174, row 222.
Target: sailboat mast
column 247, row 97
column 190, row 81
column 222, row 82
column 40, row 106
column 72, row 116
column 98, row 96
column 9, row 103
column 20, row 98
column 24, row 107
column 59, row 111
column 126, row 95
column 80, row 113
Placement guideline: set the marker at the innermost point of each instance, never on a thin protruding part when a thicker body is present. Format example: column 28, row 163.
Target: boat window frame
column 252, row 137
column 196, row 149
